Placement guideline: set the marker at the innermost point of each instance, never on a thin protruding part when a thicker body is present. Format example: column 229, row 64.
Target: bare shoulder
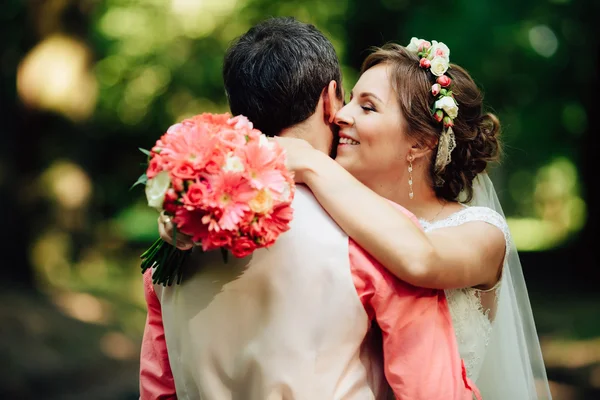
column 477, row 236
column 482, row 233
column 475, row 233
column 476, row 225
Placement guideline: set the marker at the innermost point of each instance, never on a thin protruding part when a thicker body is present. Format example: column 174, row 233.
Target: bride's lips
column 347, row 140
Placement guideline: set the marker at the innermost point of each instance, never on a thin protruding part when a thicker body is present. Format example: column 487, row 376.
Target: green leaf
column 142, row 180
column 146, row 152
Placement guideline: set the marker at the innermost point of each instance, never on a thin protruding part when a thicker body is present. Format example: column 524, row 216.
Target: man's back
column 290, row 325
column 296, row 324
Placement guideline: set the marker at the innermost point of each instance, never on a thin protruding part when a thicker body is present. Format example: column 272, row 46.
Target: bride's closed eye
column 368, row 108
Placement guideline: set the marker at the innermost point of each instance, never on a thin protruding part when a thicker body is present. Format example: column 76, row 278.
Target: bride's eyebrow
column 373, row 95
column 366, row 94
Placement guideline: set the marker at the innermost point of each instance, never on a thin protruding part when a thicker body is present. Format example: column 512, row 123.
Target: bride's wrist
column 314, row 168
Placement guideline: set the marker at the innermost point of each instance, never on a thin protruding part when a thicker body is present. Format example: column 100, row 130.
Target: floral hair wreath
column 435, row 56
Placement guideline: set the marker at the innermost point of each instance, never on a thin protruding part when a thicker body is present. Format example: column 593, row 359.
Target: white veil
column 513, row 368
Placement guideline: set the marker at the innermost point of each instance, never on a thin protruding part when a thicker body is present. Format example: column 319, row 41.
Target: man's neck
column 298, row 131
column 314, row 131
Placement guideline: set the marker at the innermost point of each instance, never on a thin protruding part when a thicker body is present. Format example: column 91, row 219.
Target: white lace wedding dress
column 473, row 310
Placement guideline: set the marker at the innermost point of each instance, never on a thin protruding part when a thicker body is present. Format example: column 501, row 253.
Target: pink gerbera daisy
column 231, row 193
column 195, row 145
column 261, row 166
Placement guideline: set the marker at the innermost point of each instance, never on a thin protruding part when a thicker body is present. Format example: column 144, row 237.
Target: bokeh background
column 84, row 83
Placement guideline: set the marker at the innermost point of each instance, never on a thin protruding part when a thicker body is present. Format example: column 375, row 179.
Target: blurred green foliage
column 158, row 62
column 84, row 83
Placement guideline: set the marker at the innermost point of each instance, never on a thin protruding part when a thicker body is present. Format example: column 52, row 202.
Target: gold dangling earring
column 411, row 194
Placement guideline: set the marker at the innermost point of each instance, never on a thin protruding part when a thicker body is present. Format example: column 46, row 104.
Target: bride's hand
column 299, row 153
column 165, row 229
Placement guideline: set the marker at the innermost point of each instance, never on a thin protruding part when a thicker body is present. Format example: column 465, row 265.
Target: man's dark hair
column 275, row 73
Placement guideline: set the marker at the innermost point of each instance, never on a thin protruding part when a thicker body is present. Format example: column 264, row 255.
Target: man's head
column 282, row 72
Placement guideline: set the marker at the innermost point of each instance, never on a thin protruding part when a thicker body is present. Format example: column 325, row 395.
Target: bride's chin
column 340, row 159
column 344, row 161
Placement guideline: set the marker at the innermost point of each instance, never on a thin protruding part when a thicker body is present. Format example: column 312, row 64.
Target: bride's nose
column 342, row 118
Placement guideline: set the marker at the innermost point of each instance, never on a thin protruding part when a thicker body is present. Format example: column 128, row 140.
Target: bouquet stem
column 167, row 261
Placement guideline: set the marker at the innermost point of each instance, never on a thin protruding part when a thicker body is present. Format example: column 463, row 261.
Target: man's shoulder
column 310, row 219
column 313, row 236
column 306, row 207
column 303, row 196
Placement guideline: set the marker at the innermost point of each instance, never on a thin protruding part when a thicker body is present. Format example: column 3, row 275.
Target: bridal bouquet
column 222, row 183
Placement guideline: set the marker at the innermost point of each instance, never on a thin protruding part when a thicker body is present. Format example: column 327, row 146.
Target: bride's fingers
column 184, row 242
column 164, row 232
column 165, row 229
column 164, row 220
column 184, row 245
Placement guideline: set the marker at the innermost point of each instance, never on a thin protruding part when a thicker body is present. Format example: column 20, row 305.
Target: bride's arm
column 446, row 258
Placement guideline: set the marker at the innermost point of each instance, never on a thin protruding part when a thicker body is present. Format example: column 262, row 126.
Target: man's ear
column 331, row 102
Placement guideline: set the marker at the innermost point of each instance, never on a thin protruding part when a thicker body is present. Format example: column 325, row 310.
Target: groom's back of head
column 274, row 74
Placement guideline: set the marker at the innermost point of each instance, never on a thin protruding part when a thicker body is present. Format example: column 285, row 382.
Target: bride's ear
column 331, row 102
column 419, row 150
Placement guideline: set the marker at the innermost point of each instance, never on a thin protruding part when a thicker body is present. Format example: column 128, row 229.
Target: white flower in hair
column 439, row 49
column 439, row 66
column 448, row 104
column 413, row 46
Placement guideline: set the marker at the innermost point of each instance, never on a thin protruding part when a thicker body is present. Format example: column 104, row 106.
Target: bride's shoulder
column 483, row 226
column 481, row 212
column 470, row 214
column 485, row 215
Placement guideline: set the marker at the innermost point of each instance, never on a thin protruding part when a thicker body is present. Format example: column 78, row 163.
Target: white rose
column 240, row 122
column 439, row 66
column 233, row 164
column 174, row 129
column 263, row 140
column 413, row 46
column 449, row 106
column 286, row 193
column 156, row 189
column 439, row 49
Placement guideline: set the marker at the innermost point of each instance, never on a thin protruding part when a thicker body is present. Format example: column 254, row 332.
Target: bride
column 415, row 115
column 411, row 106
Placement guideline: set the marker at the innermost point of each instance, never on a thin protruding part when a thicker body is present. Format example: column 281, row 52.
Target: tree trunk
column 587, row 251
column 16, row 155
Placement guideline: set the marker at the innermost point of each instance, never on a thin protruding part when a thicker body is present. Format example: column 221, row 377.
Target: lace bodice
column 472, row 309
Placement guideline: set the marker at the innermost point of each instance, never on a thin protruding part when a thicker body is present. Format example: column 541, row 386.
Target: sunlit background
column 84, row 83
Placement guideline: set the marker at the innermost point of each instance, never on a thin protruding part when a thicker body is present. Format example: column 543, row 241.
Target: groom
column 297, row 320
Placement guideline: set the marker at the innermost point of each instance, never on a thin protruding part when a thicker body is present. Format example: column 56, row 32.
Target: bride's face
column 373, row 145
